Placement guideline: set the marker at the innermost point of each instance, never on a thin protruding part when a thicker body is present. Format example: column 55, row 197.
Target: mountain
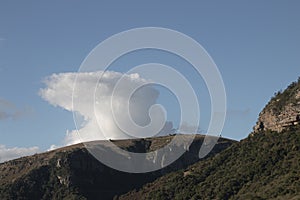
column 263, row 166
column 73, row 173
column 283, row 110
column 266, row 165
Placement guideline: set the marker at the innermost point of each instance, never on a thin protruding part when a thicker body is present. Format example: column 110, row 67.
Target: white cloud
column 15, row 152
column 94, row 107
column 53, row 147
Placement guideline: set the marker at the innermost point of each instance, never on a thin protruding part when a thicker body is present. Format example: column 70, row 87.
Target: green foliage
column 263, row 166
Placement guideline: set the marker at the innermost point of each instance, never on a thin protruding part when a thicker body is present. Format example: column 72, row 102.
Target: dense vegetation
column 266, row 165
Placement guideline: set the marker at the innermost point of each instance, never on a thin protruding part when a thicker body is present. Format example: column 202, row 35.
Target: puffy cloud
column 53, row 147
column 15, row 152
column 102, row 111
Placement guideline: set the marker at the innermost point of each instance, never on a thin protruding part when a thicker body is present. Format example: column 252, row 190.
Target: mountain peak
column 282, row 111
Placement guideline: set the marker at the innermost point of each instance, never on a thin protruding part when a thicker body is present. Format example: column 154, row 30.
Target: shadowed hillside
column 73, row 173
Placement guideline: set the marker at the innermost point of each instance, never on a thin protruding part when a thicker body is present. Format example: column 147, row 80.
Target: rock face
column 282, row 112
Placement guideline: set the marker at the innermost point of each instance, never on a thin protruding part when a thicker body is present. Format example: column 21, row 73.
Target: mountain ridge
column 73, row 173
column 265, row 165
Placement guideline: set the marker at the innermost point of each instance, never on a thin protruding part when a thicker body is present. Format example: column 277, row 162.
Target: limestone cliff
column 282, row 111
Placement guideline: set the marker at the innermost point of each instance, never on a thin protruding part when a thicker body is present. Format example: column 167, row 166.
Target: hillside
column 73, row 173
column 266, row 165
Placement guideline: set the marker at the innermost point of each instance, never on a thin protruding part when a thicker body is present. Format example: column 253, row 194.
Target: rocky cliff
column 283, row 110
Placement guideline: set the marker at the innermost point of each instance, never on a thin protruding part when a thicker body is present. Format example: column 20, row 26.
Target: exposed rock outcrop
column 283, row 110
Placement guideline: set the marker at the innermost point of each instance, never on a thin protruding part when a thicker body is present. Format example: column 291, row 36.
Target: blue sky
column 255, row 45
